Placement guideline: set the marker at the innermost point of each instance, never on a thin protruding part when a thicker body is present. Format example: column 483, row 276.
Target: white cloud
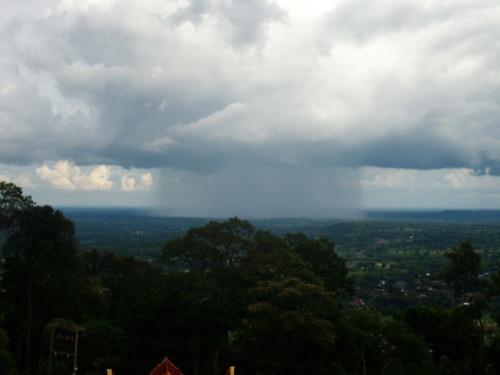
column 60, row 177
column 457, row 179
column 98, row 179
column 128, row 183
column 24, row 182
column 462, row 188
column 19, row 179
column 147, row 180
column 66, row 176
column 470, row 179
column 389, row 179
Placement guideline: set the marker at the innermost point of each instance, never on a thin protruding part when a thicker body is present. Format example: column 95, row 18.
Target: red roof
column 166, row 368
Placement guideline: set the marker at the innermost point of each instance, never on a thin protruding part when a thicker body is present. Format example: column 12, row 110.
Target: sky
column 252, row 108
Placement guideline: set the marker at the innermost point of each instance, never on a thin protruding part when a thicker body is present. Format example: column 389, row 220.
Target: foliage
column 102, row 344
column 230, row 293
column 291, row 327
column 12, row 200
column 320, row 255
column 6, row 359
column 39, row 271
column 212, row 248
column 382, row 345
column 462, row 274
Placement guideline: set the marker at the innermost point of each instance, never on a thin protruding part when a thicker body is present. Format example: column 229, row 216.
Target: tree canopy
column 227, row 293
column 12, row 200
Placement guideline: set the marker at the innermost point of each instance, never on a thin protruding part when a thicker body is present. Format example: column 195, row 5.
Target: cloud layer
column 264, row 92
column 66, row 176
column 199, row 85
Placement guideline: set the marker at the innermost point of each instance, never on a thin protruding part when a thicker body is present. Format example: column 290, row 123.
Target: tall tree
column 462, row 272
column 6, row 360
column 213, row 248
column 320, row 255
column 40, row 267
column 208, row 261
column 12, row 200
column 291, row 329
column 271, row 258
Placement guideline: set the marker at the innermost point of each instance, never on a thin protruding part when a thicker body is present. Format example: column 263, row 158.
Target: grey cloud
column 261, row 192
column 106, row 86
column 246, row 20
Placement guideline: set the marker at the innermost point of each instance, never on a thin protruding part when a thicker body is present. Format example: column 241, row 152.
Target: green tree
column 6, row 360
column 454, row 336
column 122, row 304
column 462, row 272
column 373, row 344
column 271, row 258
column 268, row 298
column 403, row 352
column 213, row 248
column 40, row 269
column 102, row 345
column 12, row 200
column 206, row 265
column 291, row 329
column 320, row 255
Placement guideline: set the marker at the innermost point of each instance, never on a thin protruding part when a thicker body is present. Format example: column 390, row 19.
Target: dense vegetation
column 141, row 233
column 228, row 293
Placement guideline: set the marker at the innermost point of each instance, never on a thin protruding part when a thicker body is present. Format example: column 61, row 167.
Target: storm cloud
column 228, row 88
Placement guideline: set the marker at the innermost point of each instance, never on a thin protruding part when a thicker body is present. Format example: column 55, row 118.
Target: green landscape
column 249, row 187
column 268, row 296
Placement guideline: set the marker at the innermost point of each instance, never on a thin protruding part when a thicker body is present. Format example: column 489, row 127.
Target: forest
column 227, row 292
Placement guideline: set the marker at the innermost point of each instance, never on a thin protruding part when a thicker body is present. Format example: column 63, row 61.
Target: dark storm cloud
column 208, row 86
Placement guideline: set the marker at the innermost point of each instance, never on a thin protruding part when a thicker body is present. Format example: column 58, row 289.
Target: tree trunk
column 386, row 366
column 29, row 323
column 216, row 361
column 363, row 359
column 51, row 350
column 481, row 344
column 196, row 362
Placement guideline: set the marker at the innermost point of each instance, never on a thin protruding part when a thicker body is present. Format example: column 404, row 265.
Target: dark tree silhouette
column 462, row 272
